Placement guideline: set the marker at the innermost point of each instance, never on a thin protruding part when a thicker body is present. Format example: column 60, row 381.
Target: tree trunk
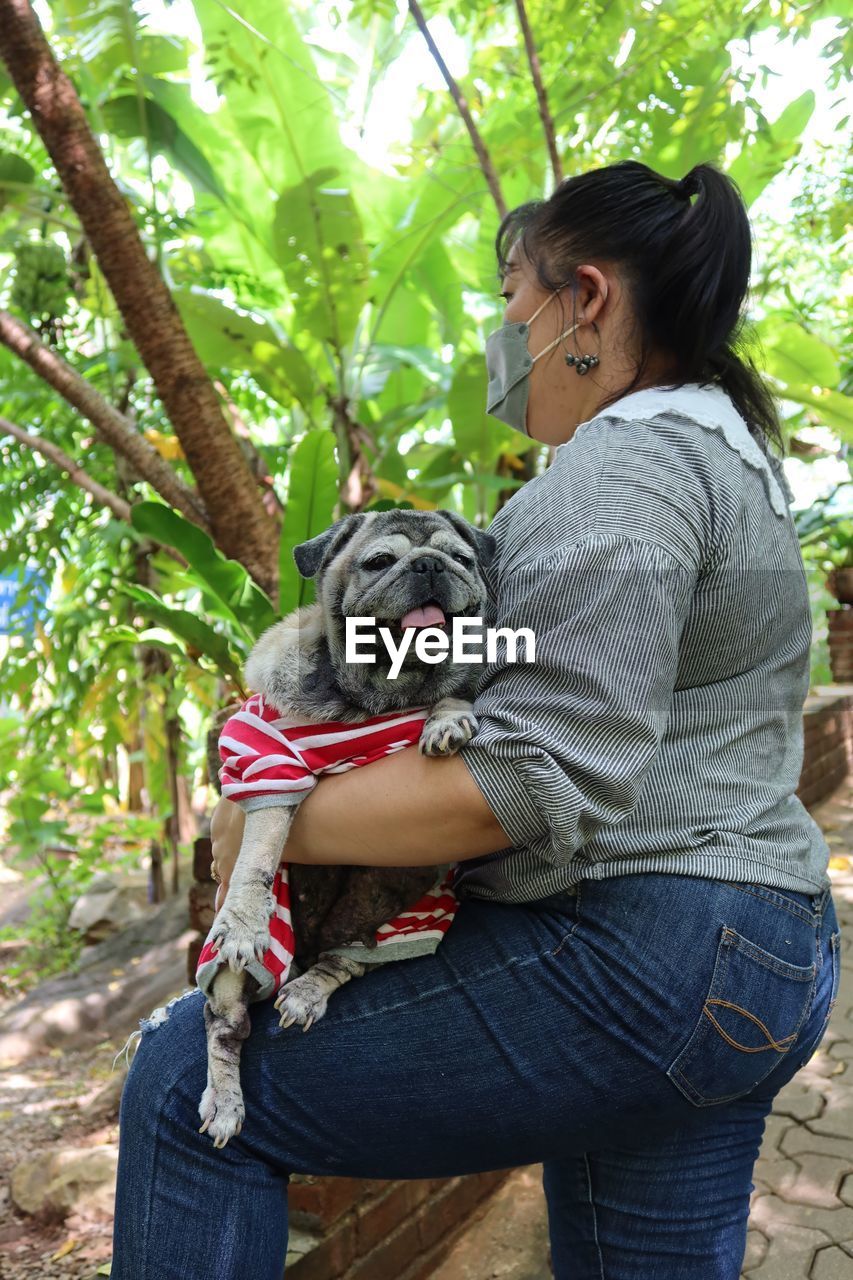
column 156, row 881
column 173, row 763
column 240, row 525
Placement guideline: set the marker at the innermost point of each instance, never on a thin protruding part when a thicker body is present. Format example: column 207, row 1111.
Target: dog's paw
column 444, row 734
column 222, row 1114
column 241, row 936
column 302, row 1001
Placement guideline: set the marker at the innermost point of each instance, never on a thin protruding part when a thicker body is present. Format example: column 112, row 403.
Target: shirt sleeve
column 260, row 769
column 564, row 743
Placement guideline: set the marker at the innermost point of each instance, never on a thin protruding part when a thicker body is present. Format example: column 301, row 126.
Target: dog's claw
column 308, row 1023
column 444, row 735
column 239, row 936
column 223, row 1116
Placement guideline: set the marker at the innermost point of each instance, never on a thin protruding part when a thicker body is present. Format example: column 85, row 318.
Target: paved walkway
column 801, row 1217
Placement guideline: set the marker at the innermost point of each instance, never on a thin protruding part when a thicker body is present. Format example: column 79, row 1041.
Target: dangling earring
column 582, row 364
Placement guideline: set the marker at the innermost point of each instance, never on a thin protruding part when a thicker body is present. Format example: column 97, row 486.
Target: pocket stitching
column 761, row 1048
column 797, row 972
column 731, row 940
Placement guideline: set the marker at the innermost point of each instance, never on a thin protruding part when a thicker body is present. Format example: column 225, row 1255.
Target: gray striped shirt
column 660, row 726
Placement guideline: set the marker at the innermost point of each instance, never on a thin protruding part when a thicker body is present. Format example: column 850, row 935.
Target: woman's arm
column 406, row 810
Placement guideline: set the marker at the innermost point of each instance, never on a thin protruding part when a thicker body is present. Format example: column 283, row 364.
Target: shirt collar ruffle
column 710, row 407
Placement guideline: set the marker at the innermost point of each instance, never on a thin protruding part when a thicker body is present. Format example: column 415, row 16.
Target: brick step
column 506, row 1236
column 366, row 1229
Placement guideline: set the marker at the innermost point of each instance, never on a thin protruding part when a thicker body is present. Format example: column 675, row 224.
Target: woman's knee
column 169, row 1046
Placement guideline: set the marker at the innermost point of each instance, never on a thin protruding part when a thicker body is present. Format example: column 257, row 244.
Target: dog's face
column 406, row 569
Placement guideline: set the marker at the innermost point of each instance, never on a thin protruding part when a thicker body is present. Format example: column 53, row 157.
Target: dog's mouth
column 426, row 615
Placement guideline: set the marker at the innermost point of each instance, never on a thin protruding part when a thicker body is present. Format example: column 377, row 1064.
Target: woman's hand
column 226, row 834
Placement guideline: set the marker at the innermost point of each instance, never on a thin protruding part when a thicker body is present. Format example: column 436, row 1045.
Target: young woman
column 646, row 948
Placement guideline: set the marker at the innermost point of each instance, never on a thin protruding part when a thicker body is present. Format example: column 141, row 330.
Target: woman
column 646, row 948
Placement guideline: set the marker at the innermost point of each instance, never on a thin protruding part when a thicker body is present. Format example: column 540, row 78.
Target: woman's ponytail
column 685, row 247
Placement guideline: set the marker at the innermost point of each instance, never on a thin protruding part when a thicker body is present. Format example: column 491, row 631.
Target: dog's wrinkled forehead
column 401, row 532
column 397, row 532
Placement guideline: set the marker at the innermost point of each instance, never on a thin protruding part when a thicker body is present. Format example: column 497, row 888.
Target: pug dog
column 404, row 568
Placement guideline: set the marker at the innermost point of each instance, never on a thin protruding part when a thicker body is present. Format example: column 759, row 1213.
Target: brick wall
column 371, row 1230
column 828, row 742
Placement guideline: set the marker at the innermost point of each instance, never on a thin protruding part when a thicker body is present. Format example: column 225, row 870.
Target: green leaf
column 422, row 218
column 794, row 355
column 15, row 173
column 198, row 635
column 479, row 437
column 312, row 495
column 124, row 116
column 320, row 247
column 281, row 107
column 233, row 340
column 245, row 602
column 769, row 151
column 835, row 409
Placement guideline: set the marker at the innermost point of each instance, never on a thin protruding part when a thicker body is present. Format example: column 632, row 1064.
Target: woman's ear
column 592, row 294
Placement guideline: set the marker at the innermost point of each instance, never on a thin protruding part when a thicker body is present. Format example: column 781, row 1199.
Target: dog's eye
column 381, row 561
column 466, row 560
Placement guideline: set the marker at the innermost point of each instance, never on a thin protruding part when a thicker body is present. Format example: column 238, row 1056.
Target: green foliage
column 226, row 587
column 312, row 496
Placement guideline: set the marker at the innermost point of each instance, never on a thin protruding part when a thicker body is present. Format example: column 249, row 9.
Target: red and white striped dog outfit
column 270, row 760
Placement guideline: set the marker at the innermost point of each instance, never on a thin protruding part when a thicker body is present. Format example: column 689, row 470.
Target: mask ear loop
column 556, row 342
column 537, row 312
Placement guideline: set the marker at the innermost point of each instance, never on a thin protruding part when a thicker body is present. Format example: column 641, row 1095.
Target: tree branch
column 112, row 426
column 257, row 466
column 464, row 110
column 541, row 96
column 239, row 523
column 80, row 477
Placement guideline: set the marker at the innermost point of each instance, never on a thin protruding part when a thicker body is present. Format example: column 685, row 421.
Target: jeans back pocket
column 751, row 1017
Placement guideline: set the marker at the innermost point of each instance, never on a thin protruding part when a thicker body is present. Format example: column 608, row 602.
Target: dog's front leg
column 226, row 1016
column 304, row 999
column 240, row 932
column 448, row 727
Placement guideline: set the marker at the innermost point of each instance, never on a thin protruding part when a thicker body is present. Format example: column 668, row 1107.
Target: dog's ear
column 313, row 555
column 483, row 543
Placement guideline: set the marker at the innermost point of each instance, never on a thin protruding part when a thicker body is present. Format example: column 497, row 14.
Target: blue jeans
column 631, row 1038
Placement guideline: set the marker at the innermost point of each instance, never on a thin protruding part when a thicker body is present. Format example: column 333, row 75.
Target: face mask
column 508, row 364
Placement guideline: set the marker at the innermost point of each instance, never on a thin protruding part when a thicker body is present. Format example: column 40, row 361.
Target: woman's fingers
column 226, row 834
column 221, row 895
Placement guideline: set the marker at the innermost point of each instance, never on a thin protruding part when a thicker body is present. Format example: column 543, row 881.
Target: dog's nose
column 425, row 564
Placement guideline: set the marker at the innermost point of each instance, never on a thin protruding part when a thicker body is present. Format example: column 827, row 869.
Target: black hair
column 686, row 263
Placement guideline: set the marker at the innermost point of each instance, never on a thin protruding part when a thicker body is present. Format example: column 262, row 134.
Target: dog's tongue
column 428, row 615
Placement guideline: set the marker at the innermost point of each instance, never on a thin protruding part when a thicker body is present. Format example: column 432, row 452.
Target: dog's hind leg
column 304, row 999
column 226, row 1016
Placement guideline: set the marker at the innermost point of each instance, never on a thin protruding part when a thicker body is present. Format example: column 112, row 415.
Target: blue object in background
column 18, row 613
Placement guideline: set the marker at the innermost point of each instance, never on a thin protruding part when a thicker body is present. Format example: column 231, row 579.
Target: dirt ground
column 61, row 1098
